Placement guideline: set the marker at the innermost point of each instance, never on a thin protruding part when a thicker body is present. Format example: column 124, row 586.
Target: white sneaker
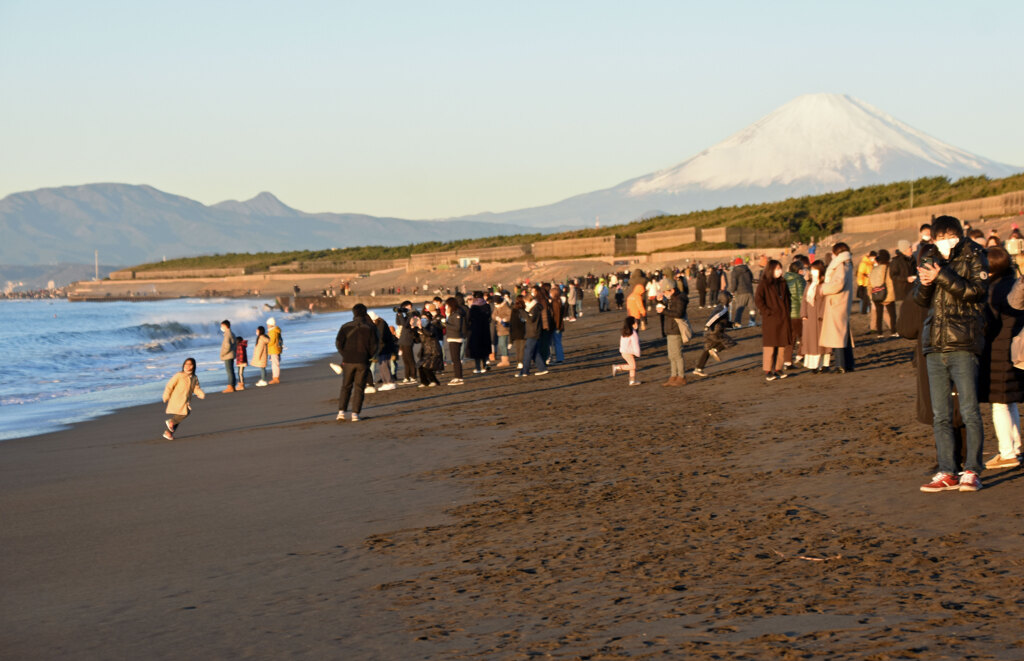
column 355, row 417
column 369, row 390
column 455, row 382
column 615, row 370
column 334, row 366
column 431, row 384
column 699, row 372
column 519, row 366
column 341, row 416
column 387, row 386
column 541, row 373
column 261, row 383
column 634, row 383
column 423, row 385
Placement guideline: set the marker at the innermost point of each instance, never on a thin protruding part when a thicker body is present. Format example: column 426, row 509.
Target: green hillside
column 805, row 217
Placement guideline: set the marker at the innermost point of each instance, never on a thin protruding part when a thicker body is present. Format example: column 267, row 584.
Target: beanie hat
column 903, row 246
column 271, row 322
column 737, row 261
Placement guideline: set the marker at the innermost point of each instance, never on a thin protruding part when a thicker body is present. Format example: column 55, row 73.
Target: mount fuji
column 816, row 143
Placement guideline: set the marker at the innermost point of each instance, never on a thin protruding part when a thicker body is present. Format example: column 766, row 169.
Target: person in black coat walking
column 357, row 343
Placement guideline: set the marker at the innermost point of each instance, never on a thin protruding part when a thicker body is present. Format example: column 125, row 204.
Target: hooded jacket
column 956, row 300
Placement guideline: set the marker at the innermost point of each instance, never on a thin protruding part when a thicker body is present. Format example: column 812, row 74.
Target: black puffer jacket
column 956, row 300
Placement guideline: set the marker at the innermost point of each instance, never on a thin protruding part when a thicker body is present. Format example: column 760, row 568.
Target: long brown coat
column 838, row 292
column 259, row 352
column 811, row 312
column 773, row 302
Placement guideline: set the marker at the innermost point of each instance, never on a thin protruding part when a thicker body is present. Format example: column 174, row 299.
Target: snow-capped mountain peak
column 821, row 141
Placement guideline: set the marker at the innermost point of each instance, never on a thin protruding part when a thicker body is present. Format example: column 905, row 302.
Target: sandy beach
column 565, row 515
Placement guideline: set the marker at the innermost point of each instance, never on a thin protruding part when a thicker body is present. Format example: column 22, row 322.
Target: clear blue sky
column 435, row 109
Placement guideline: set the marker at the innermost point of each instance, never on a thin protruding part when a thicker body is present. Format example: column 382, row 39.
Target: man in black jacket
column 406, row 340
column 953, row 285
column 357, row 344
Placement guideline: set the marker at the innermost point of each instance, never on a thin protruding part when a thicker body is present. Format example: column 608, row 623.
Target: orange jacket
column 635, row 303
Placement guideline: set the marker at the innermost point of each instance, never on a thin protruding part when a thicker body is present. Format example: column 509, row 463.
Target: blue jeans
column 502, row 345
column 602, row 303
column 579, row 308
column 532, row 354
column 229, row 367
column 960, row 368
column 556, row 340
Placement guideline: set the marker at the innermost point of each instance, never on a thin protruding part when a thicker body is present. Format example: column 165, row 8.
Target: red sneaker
column 942, row 482
column 969, row 481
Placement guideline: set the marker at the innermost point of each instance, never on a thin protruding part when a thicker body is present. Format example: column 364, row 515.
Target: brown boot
column 229, row 389
column 504, row 362
column 671, row 382
column 240, row 387
column 274, row 381
column 680, row 380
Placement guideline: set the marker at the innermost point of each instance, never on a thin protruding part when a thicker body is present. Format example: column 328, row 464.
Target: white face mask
column 926, row 237
column 946, row 246
column 814, row 275
column 778, row 273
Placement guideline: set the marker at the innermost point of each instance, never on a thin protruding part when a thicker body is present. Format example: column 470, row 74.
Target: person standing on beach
column 558, row 307
column 570, row 301
column 241, row 360
column 517, row 330
column 773, row 302
column 812, row 307
column 502, row 323
column 702, row 287
column 406, row 340
column 741, row 286
column 357, row 343
column 259, row 355
column 274, row 349
column 531, row 316
column 796, row 284
column 456, row 330
column 431, row 361
column 953, row 285
column 837, row 289
column 227, row 354
column 674, row 305
column 636, row 307
column 629, row 348
column 999, row 382
column 479, row 332
column 178, row 396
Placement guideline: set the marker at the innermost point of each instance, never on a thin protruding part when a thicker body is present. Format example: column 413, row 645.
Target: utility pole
column 97, row 256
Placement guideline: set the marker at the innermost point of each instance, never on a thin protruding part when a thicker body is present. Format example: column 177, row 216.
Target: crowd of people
column 955, row 292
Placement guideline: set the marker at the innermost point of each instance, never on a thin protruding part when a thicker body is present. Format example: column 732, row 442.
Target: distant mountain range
column 814, row 144
column 134, row 224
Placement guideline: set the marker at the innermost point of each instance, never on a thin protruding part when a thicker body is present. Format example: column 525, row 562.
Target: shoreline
column 567, row 514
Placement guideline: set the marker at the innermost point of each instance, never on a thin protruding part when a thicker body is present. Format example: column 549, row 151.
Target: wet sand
column 566, row 515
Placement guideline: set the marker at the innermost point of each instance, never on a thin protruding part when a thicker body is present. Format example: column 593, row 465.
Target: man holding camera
column 953, row 285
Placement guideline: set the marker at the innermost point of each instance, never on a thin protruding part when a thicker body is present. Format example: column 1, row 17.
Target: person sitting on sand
column 629, row 347
column 178, row 396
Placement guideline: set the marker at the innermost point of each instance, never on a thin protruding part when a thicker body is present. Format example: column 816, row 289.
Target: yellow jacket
column 635, row 306
column 864, row 271
column 276, row 345
column 178, row 393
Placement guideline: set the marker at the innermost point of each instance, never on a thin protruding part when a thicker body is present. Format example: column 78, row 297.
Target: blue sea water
column 67, row 362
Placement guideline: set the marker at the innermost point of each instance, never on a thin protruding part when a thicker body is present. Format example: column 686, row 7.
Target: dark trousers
column 427, row 376
column 408, row 362
column 455, row 353
column 879, row 310
column 703, row 295
column 355, row 377
column 865, row 300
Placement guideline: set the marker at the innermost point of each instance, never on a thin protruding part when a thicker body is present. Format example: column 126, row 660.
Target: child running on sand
column 629, row 347
column 716, row 336
column 178, row 395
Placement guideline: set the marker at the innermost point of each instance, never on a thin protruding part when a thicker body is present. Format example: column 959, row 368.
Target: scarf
column 836, row 265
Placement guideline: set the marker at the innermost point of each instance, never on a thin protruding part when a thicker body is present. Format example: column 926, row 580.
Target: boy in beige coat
column 178, row 395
